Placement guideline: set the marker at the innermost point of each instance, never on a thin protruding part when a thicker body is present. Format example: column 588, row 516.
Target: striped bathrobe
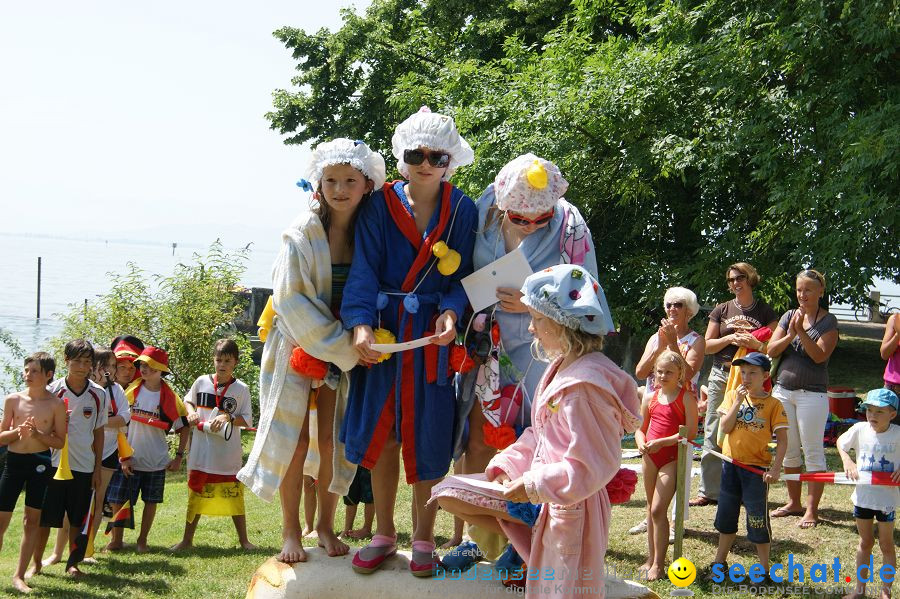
column 301, row 281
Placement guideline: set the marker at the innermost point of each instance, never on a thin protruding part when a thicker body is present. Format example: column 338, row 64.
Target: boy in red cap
column 127, row 348
column 155, row 410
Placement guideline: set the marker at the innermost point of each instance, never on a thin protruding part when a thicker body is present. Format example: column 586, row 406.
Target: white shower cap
column 343, row 151
column 529, row 184
column 434, row 131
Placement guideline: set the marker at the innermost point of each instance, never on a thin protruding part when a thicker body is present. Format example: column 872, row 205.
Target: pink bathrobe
column 566, row 457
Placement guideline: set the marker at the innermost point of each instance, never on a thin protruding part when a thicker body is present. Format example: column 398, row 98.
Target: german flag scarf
column 171, row 408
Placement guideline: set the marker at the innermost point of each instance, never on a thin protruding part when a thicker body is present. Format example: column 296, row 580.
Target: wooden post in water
column 39, row 290
column 679, row 493
column 174, row 245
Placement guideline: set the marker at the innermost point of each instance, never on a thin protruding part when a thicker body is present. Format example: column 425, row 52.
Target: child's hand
column 218, row 422
column 852, row 473
column 772, row 475
column 515, row 491
column 641, row 446
column 96, row 479
column 742, row 392
column 192, row 419
column 126, row 467
column 445, row 328
column 175, row 464
column 652, row 446
column 25, row 429
column 363, row 338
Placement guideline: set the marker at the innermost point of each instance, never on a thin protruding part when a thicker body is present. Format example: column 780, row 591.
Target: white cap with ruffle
column 343, row 151
column 426, row 129
column 529, row 184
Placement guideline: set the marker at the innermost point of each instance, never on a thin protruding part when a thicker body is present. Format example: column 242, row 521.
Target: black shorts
column 30, row 471
column 112, row 462
column 70, row 498
column 360, row 490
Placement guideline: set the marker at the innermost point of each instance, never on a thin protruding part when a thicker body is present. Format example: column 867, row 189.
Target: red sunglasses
column 522, row 221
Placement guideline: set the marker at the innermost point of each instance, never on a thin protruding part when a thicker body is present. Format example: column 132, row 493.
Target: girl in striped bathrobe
column 308, row 341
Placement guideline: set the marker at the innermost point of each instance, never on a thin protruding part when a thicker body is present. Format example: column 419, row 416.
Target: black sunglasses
column 435, row 159
column 678, row 305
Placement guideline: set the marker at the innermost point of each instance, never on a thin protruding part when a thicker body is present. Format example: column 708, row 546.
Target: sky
column 147, row 119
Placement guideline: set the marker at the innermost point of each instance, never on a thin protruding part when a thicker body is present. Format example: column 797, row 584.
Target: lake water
column 75, row 270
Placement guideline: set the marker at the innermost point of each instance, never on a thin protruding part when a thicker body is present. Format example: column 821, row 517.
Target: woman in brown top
column 729, row 328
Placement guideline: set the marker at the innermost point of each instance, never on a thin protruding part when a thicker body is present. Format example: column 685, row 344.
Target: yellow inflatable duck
column 266, row 320
column 448, row 260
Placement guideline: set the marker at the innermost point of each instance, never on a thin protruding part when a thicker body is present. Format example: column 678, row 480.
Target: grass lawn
column 218, row 568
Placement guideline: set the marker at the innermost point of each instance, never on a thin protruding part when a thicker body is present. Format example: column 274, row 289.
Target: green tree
column 11, row 378
column 184, row 313
column 694, row 134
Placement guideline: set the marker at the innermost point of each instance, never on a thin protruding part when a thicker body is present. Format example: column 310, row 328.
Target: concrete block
column 323, row 577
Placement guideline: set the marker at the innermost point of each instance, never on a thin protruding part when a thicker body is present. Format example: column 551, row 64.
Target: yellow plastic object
column 266, row 320
column 125, row 450
column 384, row 336
column 448, row 260
column 64, row 472
column 537, row 175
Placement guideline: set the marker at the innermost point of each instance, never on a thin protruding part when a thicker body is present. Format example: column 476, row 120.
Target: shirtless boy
column 34, row 420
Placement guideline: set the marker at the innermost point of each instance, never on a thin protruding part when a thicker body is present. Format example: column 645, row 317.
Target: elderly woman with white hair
column 674, row 333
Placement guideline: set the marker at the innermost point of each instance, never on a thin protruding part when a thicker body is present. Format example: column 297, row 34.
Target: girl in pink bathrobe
column 563, row 462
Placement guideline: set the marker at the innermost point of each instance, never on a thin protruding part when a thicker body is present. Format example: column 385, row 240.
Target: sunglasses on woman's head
column 435, row 159
column 736, row 279
column 524, row 221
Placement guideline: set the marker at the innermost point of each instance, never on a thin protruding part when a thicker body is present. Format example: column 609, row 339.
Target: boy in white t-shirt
column 155, row 410
column 86, row 404
column 876, row 443
column 219, row 404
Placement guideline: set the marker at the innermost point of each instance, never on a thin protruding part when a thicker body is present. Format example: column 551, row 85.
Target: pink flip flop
column 382, row 546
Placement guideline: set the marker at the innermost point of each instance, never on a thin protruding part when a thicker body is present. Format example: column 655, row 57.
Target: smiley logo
column 682, row 572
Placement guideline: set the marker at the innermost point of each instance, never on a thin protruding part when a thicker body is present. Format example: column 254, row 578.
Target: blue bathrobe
column 412, row 393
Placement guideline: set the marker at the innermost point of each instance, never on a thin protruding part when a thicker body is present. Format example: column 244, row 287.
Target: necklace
column 749, row 308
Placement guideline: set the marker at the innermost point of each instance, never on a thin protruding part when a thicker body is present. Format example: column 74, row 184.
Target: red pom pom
column 308, row 366
column 621, row 487
column 495, row 334
column 460, row 360
column 498, row 437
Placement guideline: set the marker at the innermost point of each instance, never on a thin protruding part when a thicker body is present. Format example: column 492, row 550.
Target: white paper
column 509, row 271
column 390, row 348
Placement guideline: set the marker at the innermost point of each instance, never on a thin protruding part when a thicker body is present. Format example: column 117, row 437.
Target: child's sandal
column 381, row 548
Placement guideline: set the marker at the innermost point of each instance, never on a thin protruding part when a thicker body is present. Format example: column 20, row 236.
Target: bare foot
column 114, row 546
column 248, row 545
column 181, row 546
column 331, row 544
column 90, row 560
column 74, row 572
column 19, row 585
column 53, row 559
column 366, row 533
column 141, row 546
column 308, row 532
column 654, row 573
column 646, row 565
column 291, row 552
column 448, row 545
column 33, row 571
column 808, row 523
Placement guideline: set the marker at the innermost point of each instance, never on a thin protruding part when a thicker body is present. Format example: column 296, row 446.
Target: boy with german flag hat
column 155, row 410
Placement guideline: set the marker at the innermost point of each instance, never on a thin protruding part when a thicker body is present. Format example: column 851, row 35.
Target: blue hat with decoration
column 569, row 295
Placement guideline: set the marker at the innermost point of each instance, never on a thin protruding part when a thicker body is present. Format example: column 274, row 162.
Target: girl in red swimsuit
column 663, row 411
